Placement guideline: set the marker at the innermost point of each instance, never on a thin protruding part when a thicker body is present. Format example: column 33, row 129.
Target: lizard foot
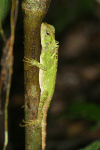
column 28, row 123
column 28, row 60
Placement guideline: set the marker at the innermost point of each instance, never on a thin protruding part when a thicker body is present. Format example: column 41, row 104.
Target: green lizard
column 47, row 75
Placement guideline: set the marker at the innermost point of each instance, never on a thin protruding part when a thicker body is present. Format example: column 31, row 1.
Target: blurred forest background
column 74, row 114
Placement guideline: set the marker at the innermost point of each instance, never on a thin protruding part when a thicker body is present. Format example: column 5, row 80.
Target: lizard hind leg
column 28, row 123
column 43, row 99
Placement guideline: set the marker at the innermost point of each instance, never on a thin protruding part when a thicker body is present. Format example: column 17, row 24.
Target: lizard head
column 47, row 34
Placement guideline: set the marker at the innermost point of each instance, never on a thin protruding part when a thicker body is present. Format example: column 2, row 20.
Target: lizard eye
column 47, row 33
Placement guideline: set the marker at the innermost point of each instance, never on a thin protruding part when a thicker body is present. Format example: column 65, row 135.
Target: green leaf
column 94, row 146
column 4, row 8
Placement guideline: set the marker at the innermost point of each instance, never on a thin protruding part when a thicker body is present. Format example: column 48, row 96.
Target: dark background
column 74, row 114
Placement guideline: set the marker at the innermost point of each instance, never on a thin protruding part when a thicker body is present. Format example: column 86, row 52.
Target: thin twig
column 7, row 68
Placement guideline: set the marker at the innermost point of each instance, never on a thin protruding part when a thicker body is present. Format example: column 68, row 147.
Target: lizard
column 47, row 75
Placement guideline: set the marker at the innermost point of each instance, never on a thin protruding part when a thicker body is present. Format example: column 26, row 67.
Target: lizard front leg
column 33, row 62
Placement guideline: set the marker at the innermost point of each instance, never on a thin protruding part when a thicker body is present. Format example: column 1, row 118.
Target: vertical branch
column 34, row 12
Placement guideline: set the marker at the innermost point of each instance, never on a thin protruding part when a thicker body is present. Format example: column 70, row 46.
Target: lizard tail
column 44, row 124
